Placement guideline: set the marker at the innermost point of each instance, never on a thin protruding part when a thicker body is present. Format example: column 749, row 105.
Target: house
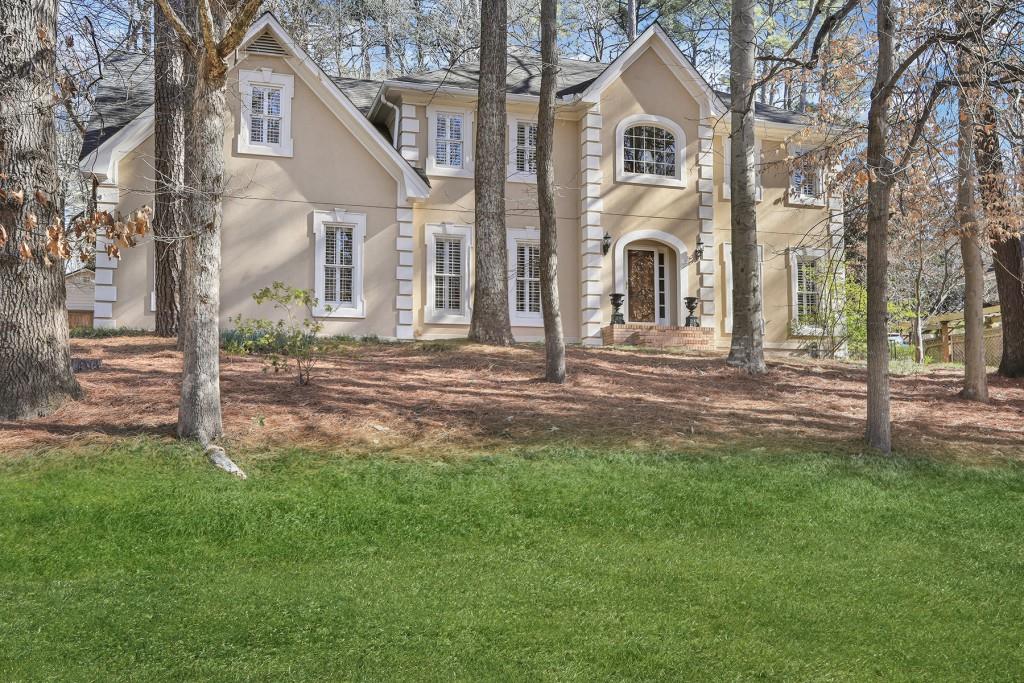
column 80, row 297
column 363, row 191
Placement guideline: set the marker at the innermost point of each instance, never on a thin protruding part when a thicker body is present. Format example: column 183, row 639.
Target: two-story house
column 363, row 191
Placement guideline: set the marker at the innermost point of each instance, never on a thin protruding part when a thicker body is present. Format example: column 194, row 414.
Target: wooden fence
column 944, row 337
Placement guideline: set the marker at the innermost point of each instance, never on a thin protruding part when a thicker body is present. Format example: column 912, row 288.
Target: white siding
column 80, row 291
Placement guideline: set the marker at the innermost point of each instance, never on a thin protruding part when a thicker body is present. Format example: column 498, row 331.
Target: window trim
column 465, row 233
column 357, row 221
column 727, row 272
column 679, row 180
column 528, row 235
column 758, row 169
column 803, row 199
column 795, row 254
column 514, row 174
column 247, row 78
column 433, row 169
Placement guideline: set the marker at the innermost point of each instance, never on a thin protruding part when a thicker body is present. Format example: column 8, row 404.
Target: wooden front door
column 641, row 285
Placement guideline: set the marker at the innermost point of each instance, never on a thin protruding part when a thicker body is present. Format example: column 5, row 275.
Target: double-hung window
column 527, row 278
column 806, row 180
column 448, row 274
column 524, row 277
column 523, row 152
column 338, row 277
column 266, row 104
column 450, row 143
column 448, row 286
column 807, row 289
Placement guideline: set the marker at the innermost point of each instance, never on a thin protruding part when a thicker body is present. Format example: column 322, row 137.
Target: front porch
column 659, row 336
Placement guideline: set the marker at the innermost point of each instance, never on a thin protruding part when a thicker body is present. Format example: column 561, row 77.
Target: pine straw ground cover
column 449, row 398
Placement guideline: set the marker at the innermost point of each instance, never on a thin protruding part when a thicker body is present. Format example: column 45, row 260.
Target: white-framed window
column 650, row 150
column 806, row 179
column 522, row 139
column 266, row 106
column 727, row 270
column 338, row 276
column 727, row 172
column 806, row 272
column 524, row 277
column 449, row 141
column 448, row 296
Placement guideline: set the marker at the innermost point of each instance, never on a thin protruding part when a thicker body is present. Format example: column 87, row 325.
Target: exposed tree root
column 219, row 458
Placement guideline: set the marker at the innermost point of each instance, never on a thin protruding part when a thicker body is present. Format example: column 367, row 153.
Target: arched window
column 651, row 149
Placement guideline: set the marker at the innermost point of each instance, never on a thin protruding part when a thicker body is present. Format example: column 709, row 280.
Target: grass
column 143, row 563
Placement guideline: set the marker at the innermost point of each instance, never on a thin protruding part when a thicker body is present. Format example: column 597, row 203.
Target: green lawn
column 143, row 563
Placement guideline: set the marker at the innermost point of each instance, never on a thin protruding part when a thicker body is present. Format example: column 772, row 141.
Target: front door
column 641, row 294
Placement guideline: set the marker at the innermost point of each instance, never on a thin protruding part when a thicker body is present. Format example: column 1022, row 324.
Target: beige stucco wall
column 268, row 227
column 781, row 225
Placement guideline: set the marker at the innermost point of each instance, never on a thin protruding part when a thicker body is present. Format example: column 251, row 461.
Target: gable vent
column 266, row 45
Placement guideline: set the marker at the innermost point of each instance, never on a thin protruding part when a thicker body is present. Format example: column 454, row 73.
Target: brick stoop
column 695, row 338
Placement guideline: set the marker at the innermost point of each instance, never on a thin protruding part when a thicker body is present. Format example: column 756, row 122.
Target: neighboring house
column 363, row 191
column 80, row 297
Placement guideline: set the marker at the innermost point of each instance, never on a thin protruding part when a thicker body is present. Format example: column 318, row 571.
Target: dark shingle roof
column 124, row 92
column 126, row 89
column 522, row 76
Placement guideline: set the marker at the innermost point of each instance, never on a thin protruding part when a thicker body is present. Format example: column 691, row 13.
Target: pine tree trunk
column 631, row 12
column 554, row 340
column 490, row 322
column 170, row 99
column 199, row 414
column 35, row 357
column 1007, row 251
column 747, row 348
column 879, row 430
column 975, row 379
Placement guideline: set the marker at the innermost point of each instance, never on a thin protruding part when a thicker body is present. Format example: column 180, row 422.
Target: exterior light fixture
column 698, row 252
column 606, row 244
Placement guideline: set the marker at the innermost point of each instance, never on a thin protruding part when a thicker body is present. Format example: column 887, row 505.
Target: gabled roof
column 132, row 106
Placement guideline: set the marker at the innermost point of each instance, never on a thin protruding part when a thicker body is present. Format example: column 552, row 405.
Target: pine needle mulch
column 453, row 398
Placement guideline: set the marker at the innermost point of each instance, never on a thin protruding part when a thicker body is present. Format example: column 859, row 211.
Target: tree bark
column 1007, row 252
column 199, row 414
column 490, row 322
column 631, row 12
column 879, row 431
column 170, row 99
column 554, row 339
column 747, row 348
column 35, row 356
column 975, row 378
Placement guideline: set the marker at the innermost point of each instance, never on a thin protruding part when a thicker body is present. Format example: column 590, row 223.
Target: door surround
column 672, row 244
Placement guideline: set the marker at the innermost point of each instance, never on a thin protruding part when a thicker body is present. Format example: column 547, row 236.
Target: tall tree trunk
column 747, row 349
column 490, row 321
column 975, row 380
column 554, row 340
column 170, row 100
column 1007, row 251
column 632, row 7
column 199, row 414
column 35, row 357
column 879, row 430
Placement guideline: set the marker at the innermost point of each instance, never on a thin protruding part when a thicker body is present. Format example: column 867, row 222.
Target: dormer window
column 266, row 108
column 650, row 150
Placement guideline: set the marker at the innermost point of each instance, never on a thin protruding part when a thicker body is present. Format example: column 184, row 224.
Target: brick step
column 696, row 338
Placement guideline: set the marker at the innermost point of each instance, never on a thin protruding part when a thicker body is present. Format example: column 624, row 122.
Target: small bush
column 291, row 340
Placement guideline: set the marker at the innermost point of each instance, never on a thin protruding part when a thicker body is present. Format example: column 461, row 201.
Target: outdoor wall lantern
column 698, row 252
column 606, row 243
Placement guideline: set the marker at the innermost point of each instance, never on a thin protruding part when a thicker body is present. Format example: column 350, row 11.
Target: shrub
column 290, row 340
column 106, row 332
